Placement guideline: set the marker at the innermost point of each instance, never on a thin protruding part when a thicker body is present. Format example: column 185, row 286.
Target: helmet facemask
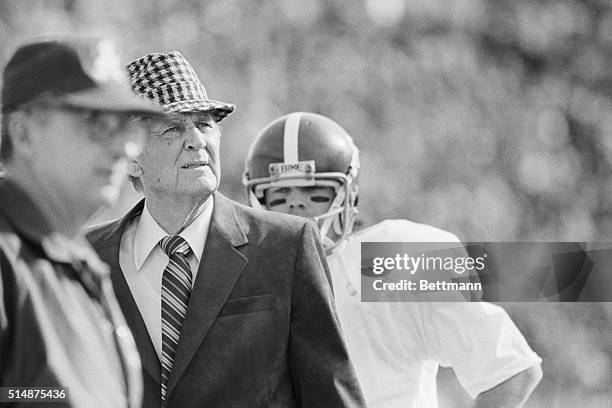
column 337, row 222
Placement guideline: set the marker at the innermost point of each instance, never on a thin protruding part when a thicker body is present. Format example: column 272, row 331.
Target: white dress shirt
column 143, row 261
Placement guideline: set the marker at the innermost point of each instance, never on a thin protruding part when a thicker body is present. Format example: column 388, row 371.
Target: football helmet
column 306, row 149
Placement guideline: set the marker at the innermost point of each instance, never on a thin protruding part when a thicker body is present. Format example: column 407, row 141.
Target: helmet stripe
column 290, row 139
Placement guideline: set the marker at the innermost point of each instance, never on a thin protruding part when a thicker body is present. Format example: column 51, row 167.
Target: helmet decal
column 290, row 137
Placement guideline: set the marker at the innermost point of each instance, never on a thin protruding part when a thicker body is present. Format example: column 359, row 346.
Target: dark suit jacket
column 260, row 330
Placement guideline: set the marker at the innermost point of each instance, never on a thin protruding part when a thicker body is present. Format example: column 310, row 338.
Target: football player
column 306, row 164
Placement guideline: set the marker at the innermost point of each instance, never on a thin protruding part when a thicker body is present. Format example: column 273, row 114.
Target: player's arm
column 512, row 393
column 320, row 367
column 488, row 353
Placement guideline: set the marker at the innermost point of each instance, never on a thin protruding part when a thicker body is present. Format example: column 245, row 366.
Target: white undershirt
column 143, row 262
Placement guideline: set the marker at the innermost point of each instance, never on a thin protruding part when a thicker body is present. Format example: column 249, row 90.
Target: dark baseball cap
column 80, row 72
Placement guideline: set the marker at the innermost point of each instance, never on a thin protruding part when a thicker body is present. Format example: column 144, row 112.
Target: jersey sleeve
column 479, row 341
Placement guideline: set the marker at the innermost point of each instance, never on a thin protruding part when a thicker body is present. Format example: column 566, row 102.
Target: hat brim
column 112, row 99
column 219, row 110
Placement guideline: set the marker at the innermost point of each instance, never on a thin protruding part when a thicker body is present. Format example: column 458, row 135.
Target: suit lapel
column 108, row 250
column 220, row 267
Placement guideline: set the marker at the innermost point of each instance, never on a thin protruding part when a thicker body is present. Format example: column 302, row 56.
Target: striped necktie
column 176, row 288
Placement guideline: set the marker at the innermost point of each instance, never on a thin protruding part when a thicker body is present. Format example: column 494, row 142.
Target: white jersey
column 396, row 347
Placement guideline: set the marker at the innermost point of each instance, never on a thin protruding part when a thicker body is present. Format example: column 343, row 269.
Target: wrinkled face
column 181, row 156
column 301, row 201
column 78, row 155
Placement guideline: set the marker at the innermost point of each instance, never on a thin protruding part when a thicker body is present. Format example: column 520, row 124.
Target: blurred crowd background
column 488, row 118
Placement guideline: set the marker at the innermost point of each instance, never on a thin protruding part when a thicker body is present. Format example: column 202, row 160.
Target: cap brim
column 113, row 99
column 220, row 110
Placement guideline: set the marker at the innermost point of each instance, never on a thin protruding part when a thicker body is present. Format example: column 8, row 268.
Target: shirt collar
column 149, row 233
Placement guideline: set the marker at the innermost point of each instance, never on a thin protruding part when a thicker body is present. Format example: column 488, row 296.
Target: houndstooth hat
column 169, row 79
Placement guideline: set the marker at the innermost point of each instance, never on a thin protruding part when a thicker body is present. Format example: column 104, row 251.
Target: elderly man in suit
column 230, row 306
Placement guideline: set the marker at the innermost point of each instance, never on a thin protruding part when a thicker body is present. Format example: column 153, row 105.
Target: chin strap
column 253, row 200
column 331, row 219
column 328, row 245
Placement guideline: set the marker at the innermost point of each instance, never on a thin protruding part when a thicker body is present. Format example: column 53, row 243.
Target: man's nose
column 194, row 139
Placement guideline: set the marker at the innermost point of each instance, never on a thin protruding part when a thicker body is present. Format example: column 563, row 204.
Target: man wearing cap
column 66, row 133
column 230, row 306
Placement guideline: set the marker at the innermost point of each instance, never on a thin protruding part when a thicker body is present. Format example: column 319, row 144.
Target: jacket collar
column 219, row 271
column 226, row 222
column 30, row 223
column 22, row 213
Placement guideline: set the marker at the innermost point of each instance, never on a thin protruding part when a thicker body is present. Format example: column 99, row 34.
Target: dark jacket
column 261, row 328
column 60, row 324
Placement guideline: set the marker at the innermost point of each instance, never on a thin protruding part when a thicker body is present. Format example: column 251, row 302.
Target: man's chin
column 205, row 191
column 205, row 185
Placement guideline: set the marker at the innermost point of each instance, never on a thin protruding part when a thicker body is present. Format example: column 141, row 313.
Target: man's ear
column 20, row 134
column 134, row 168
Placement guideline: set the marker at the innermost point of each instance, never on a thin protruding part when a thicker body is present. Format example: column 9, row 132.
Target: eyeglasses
column 102, row 127
column 106, row 126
